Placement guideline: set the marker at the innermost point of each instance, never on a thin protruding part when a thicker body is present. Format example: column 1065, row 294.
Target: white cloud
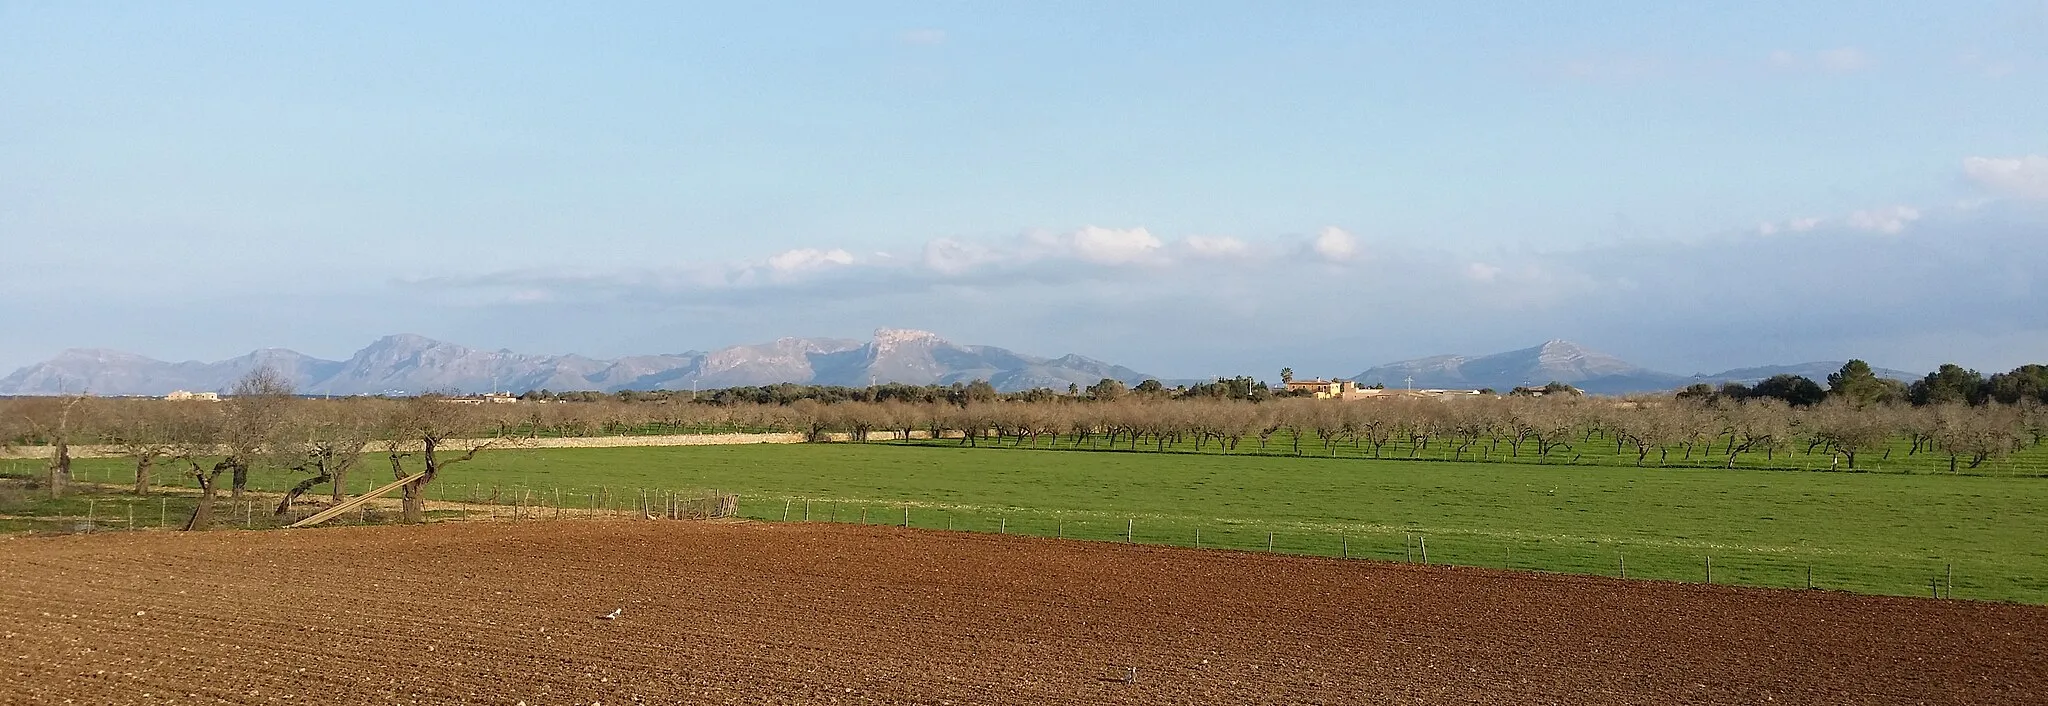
column 2016, row 177
column 1112, row 246
column 1890, row 220
column 1838, row 60
column 1801, row 225
column 1214, row 246
column 808, row 259
column 1336, row 245
column 1482, row 272
column 1844, row 59
column 924, row 37
column 952, row 257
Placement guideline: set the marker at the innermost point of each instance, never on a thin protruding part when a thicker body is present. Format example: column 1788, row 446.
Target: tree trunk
column 202, row 513
column 142, row 466
column 285, row 505
column 241, row 481
column 339, row 488
column 60, row 468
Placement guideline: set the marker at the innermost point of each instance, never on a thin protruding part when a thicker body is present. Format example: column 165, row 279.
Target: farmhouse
column 1326, row 389
column 188, row 396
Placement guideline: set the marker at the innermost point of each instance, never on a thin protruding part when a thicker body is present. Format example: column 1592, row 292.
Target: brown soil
column 500, row 613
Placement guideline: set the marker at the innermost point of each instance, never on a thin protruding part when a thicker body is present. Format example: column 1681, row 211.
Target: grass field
column 1867, row 532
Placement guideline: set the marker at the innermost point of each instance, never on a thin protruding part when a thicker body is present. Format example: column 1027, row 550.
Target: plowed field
column 500, row 613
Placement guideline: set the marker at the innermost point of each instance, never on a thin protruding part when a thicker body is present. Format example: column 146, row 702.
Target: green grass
column 1897, row 456
column 1886, row 533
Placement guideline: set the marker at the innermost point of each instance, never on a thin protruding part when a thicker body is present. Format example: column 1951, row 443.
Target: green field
column 1866, row 532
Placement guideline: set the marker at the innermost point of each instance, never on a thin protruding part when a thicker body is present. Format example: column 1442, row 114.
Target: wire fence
column 104, row 507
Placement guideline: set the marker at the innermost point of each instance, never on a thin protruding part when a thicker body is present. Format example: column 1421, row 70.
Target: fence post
column 1004, row 527
column 807, row 511
column 1062, row 530
column 1425, row 550
column 1624, row 568
column 1130, row 530
column 1346, row 551
column 906, row 518
column 1198, row 538
column 1949, row 581
column 163, row 511
column 1408, row 548
column 1269, row 541
column 1809, row 576
column 785, row 511
column 1710, row 569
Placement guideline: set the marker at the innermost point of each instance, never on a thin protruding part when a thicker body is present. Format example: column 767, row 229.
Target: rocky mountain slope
column 412, row 364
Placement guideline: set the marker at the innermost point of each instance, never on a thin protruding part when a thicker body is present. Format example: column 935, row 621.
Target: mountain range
column 1570, row 363
column 410, row 364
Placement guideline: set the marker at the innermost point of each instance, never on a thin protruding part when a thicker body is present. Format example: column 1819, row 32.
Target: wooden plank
column 355, row 502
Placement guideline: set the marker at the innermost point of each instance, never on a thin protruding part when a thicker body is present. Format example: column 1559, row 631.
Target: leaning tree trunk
column 285, row 505
column 202, row 513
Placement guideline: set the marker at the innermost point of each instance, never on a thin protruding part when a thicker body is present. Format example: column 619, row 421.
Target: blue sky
column 1186, row 188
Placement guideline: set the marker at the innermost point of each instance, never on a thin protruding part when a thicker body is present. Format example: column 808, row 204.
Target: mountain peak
column 886, row 336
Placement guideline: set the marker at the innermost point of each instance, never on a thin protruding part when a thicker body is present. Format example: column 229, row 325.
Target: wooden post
column 785, row 511
column 131, row 515
column 1004, row 527
column 91, row 509
column 1710, row 569
column 863, row 515
column 1408, row 548
column 835, row 512
column 1809, row 576
column 1624, row 566
column 1130, row 530
column 249, row 514
column 163, row 509
column 1948, row 581
column 906, row 518
column 1425, row 550
column 1345, row 552
column 1062, row 530
column 807, row 511
column 1198, row 538
column 1269, row 541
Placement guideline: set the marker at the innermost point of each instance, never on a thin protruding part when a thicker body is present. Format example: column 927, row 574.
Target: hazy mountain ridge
column 411, row 364
column 1570, row 363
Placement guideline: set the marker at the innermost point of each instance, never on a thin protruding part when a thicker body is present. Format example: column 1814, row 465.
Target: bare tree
column 327, row 439
column 146, row 432
column 255, row 413
column 428, row 426
column 58, row 423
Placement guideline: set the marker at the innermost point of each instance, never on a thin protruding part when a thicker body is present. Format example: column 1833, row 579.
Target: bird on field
column 614, row 614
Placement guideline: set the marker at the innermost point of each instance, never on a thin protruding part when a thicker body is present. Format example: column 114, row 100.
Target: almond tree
column 327, row 440
column 146, row 432
column 58, row 423
column 1848, row 431
column 254, row 414
column 430, row 427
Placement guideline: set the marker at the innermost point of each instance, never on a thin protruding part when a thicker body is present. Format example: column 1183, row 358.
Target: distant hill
column 409, row 364
column 1570, row 363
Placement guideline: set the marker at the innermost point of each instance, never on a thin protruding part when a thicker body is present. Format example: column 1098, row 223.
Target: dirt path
column 500, row 613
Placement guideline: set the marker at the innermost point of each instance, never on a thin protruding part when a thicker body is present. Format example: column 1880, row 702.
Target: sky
column 1185, row 188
